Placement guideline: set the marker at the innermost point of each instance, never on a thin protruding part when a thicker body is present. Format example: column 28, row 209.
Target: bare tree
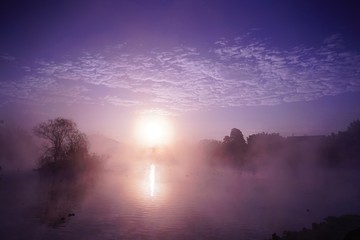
column 69, row 166
column 62, row 139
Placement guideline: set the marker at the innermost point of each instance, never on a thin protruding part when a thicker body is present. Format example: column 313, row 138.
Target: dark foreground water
column 179, row 204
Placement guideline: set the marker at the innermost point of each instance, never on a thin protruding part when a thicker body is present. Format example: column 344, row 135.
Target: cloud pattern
column 236, row 72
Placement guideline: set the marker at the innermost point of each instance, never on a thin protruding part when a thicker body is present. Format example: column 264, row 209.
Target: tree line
column 336, row 149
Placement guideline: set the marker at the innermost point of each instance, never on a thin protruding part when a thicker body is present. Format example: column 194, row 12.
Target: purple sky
column 277, row 66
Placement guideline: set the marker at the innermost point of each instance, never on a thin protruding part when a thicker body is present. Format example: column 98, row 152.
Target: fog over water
column 174, row 193
column 180, row 119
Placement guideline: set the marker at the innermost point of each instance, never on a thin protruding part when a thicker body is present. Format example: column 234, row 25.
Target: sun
column 153, row 130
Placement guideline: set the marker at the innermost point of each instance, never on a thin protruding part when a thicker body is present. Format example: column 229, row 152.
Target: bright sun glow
column 153, row 130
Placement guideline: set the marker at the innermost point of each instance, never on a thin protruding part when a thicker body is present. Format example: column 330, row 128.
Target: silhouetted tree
column 69, row 166
column 235, row 146
column 342, row 148
column 212, row 150
column 352, row 137
column 264, row 143
column 62, row 136
column 65, row 146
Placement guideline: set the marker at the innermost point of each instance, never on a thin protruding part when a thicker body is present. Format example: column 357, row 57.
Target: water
column 163, row 202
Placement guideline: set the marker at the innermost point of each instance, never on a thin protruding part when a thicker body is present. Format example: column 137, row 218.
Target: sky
column 291, row 67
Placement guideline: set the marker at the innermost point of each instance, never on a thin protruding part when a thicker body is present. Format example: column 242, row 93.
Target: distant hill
column 116, row 153
column 104, row 145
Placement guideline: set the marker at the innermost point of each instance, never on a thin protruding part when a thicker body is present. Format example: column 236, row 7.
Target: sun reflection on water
column 152, row 180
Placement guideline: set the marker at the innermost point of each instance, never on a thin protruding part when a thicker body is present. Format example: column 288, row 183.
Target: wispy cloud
column 233, row 72
column 7, row 57
column 120, row 101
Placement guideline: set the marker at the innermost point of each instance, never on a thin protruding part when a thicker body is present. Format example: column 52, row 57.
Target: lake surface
column 169, row 202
